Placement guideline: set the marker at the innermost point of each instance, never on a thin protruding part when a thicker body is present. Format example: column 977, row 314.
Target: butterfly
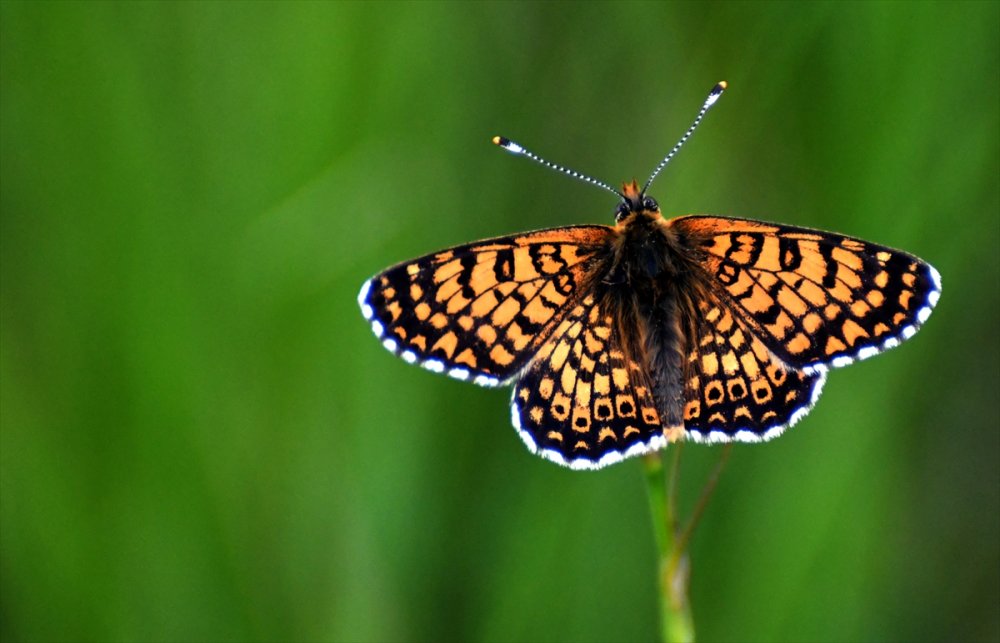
column 620, row 339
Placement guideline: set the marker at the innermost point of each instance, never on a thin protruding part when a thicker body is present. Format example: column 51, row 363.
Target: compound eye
column 621, row 212
column 649, row 203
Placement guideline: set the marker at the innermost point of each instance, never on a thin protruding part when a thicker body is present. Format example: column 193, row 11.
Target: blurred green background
column 202, row 440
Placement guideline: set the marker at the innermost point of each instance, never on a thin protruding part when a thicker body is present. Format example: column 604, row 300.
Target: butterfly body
column 648, row 271
column 620, row 339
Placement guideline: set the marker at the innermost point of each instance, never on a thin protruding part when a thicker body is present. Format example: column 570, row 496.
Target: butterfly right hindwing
column 735, row 388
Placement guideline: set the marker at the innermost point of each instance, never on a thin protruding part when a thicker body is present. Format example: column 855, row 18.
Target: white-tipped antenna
column 712, row 97
column 514, row 148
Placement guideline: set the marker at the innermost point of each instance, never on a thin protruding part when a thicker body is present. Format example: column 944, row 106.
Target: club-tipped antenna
column 712, row 97
column 514, row 148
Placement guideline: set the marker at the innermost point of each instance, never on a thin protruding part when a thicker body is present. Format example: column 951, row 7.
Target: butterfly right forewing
column 816, row 299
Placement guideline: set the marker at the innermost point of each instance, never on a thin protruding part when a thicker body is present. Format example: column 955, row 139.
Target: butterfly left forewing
column 480, row 311
column 816, row 299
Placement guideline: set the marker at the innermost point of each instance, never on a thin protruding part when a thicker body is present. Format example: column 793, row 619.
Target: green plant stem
column 676, row 620
column 676, row 623
column 675, row 472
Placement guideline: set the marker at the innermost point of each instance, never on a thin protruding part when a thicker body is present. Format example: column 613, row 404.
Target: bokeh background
column 201, row 439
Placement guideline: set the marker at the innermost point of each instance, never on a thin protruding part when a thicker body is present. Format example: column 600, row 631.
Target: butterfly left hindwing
column 585, row 401
column 481, row 310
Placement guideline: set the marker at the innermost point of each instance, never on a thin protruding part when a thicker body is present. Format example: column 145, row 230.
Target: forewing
column 480, row 311
column 816, row 299
column 584, row 402
column 735, row 388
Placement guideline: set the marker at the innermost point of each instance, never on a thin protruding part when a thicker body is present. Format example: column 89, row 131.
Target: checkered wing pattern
column 735, row 388
column 480, row 311
column 815, row 299
column 585, row 401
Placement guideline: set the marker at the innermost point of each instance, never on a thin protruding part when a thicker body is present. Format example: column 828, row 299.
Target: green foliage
column 201, row 440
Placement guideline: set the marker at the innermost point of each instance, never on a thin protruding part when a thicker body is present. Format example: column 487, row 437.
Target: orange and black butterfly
column 621, row 339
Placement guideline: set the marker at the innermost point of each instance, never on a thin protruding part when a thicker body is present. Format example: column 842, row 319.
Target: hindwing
column 735, row 388
column 585, row 401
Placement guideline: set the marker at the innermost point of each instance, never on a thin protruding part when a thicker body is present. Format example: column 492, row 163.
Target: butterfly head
column 634, row 201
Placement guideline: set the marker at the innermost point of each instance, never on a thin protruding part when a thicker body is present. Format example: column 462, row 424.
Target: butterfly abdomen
column 664, row 348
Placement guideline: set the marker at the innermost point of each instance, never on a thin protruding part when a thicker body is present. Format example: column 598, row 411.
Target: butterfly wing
column 585, row 401
column 735, row 388
column 815, row 299
column 480, row 311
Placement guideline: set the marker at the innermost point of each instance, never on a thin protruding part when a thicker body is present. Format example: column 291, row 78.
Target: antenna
column 712, row 97
column 514, row 148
